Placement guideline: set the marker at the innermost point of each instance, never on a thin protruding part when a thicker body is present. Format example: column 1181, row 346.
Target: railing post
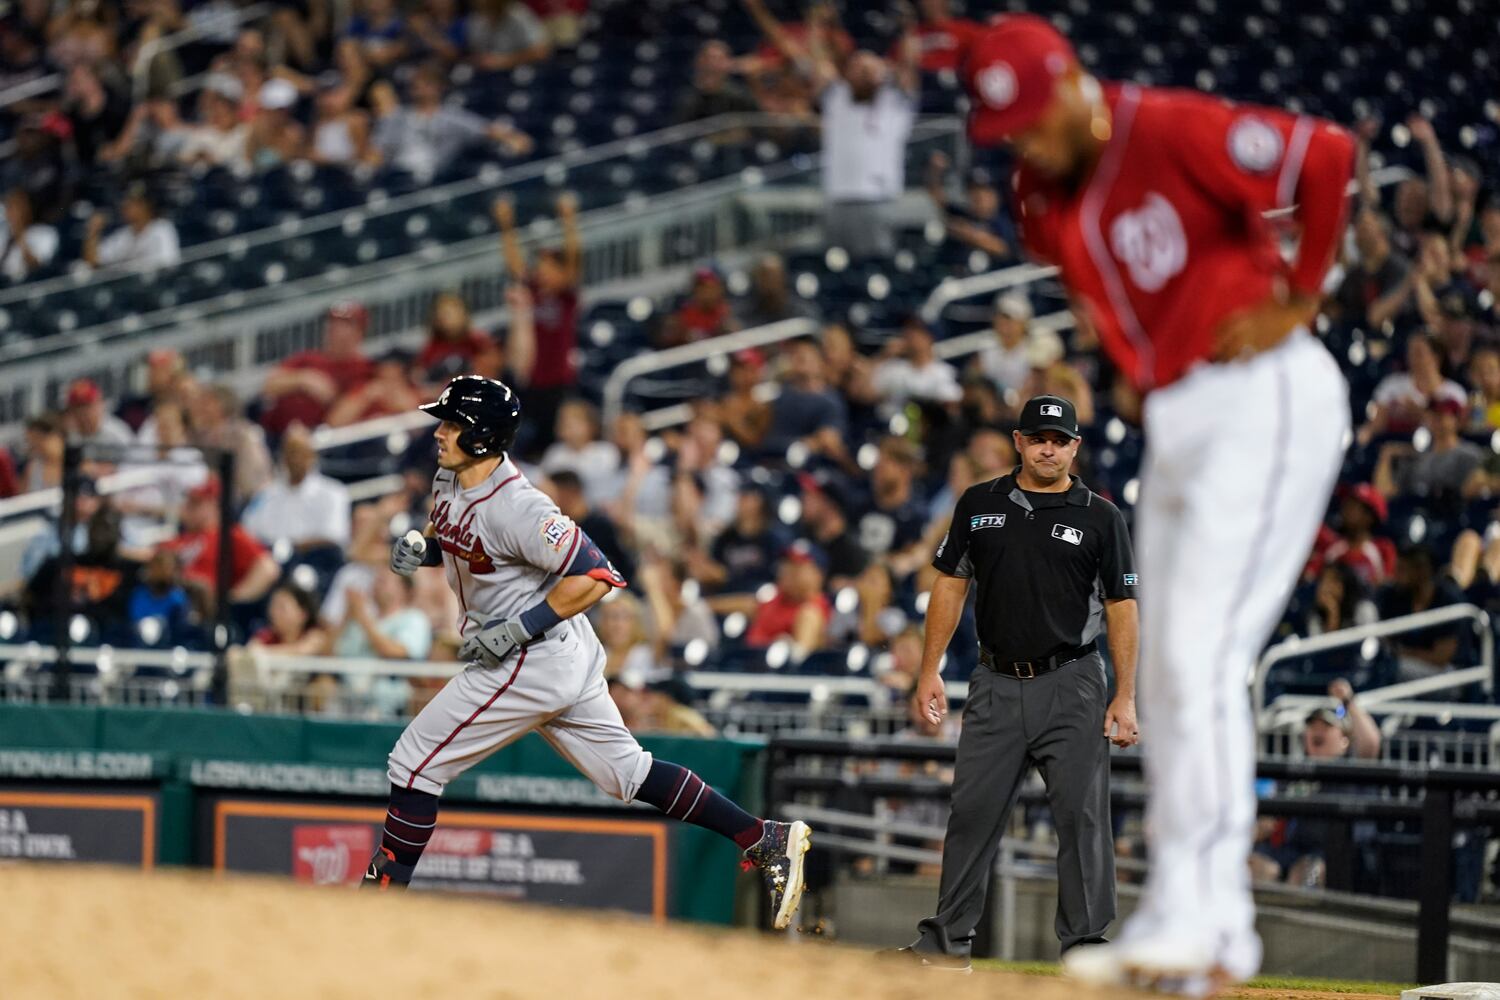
column 1007, row 902
column 1436, row 892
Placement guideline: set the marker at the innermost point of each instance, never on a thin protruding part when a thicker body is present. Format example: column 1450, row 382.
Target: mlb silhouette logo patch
column 1051, row 410
column 1073, row 536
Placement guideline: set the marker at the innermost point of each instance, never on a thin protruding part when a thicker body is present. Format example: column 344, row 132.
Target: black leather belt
column 1025, row 670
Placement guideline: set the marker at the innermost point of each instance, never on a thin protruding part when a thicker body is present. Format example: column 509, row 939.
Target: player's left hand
column 1120, row 727
column 1261, row 327
column 491, row 641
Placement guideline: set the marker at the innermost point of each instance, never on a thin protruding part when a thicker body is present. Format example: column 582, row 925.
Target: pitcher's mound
column 99, row 934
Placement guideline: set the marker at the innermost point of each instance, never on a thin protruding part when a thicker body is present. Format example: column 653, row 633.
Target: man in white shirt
column 915, row 374
column 144, row 243
column 25, row 245
column 301, row 506
column 88, row 422
column 1007, row 362
column 868, row 113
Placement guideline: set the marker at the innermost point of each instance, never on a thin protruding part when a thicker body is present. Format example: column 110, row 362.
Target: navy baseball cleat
column 385, row 873
column 779, row 855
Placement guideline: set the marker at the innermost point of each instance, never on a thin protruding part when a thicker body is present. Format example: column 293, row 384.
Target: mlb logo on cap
column 1049, row 413
column 1051, row 410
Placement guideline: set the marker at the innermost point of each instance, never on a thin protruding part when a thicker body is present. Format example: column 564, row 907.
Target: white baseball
column 416, row 541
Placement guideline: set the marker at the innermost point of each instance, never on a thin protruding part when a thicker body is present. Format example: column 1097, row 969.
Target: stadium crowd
column 782, row 529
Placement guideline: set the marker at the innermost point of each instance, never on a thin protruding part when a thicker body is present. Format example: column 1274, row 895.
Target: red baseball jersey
column 1167, row 237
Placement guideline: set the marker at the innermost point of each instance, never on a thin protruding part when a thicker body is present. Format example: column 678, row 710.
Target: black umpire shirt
column 1044, row 563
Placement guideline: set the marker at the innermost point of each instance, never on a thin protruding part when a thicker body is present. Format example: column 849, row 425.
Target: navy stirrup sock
column 683, row 795
column 409, row 821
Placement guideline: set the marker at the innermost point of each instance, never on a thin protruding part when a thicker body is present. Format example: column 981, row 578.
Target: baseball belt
column 1025, row 670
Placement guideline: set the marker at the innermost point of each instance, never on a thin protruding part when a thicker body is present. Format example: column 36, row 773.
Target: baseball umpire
column 524, row 574
column 1053, row 564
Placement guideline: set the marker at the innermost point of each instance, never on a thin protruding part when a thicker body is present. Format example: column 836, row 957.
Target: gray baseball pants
column 1055, row 721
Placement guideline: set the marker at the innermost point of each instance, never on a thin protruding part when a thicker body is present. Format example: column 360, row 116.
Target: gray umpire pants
column 1055, row 721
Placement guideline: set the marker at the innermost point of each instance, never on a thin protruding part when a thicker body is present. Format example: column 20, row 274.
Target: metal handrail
column 31, row 88
column 45, row 499
column 644, row 364
column 1298, row 646
column 952, row 289
column 176, row 659
column 141, row 79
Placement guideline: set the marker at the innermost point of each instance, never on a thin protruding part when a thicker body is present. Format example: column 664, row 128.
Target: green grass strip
column 1262, row 983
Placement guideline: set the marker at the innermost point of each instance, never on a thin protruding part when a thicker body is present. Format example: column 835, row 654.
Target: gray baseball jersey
column 505, row 546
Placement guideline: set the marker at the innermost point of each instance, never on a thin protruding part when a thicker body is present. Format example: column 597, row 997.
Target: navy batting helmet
column 487, row 409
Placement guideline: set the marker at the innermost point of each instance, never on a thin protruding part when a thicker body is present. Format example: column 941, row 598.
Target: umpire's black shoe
column 936, row 961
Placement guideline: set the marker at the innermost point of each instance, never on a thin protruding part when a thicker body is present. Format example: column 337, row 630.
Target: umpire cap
column 487, row 409
column 1049, row 413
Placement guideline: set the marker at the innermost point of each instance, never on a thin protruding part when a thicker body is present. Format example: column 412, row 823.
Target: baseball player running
column 524, row 573
column 1153, row 205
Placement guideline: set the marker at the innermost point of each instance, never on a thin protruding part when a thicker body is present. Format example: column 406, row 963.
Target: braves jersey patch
column 1071, row 535
column 555, row 532
column 1254, row 145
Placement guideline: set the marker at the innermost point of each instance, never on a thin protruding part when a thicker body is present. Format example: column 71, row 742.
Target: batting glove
column 492, row 641
column 406, row 555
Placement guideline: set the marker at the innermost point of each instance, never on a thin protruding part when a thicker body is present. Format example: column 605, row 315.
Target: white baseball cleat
column 1163, row 964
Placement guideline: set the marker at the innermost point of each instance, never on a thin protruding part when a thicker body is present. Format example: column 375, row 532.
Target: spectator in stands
column 173, row 469
column 380, row 32
column 990, row 455
column 99, row 584
column 1444, row 472
column 703, row 314
column 454, row 345
column 46, row 439
column 1294, row 850
column 1402, row 398
column 807, row 410
column 1379, row 287
column 436, row 31
column 1007, row 362
column 792, row 43
column 301, row 505
column 1417, row 586
column 39, row 166
column 744, row 555
column 711, row 91
column 167, row 381
column 154, row 138
column 144, row 243
column 893, row 523
column 368, row 556
column 1340, row 600
column 10, row 481
column 88, row 422
column 216, row 422
column 389, row 391
column 276, row 138
column 825, row 523
column 503, row 34
column 679, row 614
column 655, row 708
column 305, row 385
column 252, row 571
column 1371, row 556
column 1423, row 204
column 567, row 491
column 48, row 542
column 941, row 37
column 219, row 138
column 427, row 137
column 848, row 372
column 96, row 108
column 553, row 283
column 770, row 299
column 744, row 417
column 868, row 112
column 912, row 373
column 979, row 221
column 579, row 449
column 26, row 245
column 393, row 629
column 340, row 128
column 160, row 608
column 21, row 57
column 798, row 609
column 621, row 625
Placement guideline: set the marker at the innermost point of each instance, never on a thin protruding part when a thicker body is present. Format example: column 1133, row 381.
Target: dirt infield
column 104, row 934
column 70, row 933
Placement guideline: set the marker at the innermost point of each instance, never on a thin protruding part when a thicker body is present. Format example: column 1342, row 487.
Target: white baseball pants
column 1241, row 459
column 555, row 686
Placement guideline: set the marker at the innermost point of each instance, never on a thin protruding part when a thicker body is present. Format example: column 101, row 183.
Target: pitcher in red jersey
column 1153, row 204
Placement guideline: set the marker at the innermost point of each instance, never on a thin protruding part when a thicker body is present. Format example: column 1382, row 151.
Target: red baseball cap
column 1447, row 404
column 83, row 391
column 1010, row 71
column 1371, row 498
column 206, row 490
